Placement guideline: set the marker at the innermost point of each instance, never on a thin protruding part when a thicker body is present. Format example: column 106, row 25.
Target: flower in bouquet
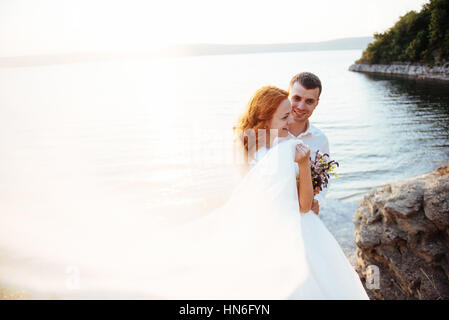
column 322, row 167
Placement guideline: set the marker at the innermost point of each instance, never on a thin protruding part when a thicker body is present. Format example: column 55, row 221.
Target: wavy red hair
column 259, row 111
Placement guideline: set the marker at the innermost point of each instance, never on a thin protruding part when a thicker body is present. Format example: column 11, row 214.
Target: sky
column 30, row 27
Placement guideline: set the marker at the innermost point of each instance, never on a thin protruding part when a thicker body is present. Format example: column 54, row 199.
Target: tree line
column 418, row 37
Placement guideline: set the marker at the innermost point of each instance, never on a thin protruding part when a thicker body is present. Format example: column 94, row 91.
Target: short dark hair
column 308, row 80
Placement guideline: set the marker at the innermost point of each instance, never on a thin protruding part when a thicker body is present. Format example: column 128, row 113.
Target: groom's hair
column 308, row 80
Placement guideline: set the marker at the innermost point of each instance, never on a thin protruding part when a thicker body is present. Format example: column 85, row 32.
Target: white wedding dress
column 330, row 274
column 256, row 246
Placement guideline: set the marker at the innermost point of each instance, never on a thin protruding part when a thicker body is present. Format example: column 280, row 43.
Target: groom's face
column 303, row 101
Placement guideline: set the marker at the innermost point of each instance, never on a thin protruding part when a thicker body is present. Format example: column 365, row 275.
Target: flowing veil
column 249, row 248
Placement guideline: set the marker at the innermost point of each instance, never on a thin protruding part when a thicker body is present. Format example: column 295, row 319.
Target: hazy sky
column 55, row 26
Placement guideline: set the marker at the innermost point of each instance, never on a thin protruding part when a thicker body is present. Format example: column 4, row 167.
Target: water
column 152, row 132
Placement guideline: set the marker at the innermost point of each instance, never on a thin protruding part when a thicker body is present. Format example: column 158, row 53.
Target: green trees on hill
column 421, row 37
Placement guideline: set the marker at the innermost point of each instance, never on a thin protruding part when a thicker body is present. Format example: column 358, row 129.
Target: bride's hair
column 259, row 112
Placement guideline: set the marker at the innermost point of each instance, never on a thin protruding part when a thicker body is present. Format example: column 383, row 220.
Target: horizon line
column 171, row 46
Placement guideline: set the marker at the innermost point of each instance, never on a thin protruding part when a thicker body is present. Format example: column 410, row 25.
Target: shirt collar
column 309, row 131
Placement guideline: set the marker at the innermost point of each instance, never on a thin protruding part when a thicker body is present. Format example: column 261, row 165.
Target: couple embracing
column 278, row 115
column 267, row 241
column 275, row 132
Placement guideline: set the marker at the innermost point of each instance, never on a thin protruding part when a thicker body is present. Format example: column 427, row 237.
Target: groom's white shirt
column 316, row 140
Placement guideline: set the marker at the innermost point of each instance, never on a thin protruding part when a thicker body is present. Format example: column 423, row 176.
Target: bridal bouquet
column 322, row 168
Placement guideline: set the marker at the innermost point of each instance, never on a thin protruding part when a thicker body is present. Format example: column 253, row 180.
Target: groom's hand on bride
column 315, row 206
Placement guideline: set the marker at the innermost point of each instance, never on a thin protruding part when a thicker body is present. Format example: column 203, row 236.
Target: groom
column 304, row 94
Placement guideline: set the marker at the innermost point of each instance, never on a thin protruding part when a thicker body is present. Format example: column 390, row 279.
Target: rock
column 438, row 72
column 402, row 234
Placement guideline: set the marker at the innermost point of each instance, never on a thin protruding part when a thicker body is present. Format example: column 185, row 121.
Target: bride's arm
column 305, row 187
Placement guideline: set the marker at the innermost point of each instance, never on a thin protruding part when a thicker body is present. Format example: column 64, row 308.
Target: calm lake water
column 151, row 132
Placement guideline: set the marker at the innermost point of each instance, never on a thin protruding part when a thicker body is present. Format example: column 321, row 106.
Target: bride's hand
column 302, row 154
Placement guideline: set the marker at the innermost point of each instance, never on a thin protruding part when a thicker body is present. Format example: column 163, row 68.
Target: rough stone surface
column 403, row 230
column 439, row 72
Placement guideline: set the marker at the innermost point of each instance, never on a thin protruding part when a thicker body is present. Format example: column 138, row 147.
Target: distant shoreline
column 409, row 70
column 184, row 50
